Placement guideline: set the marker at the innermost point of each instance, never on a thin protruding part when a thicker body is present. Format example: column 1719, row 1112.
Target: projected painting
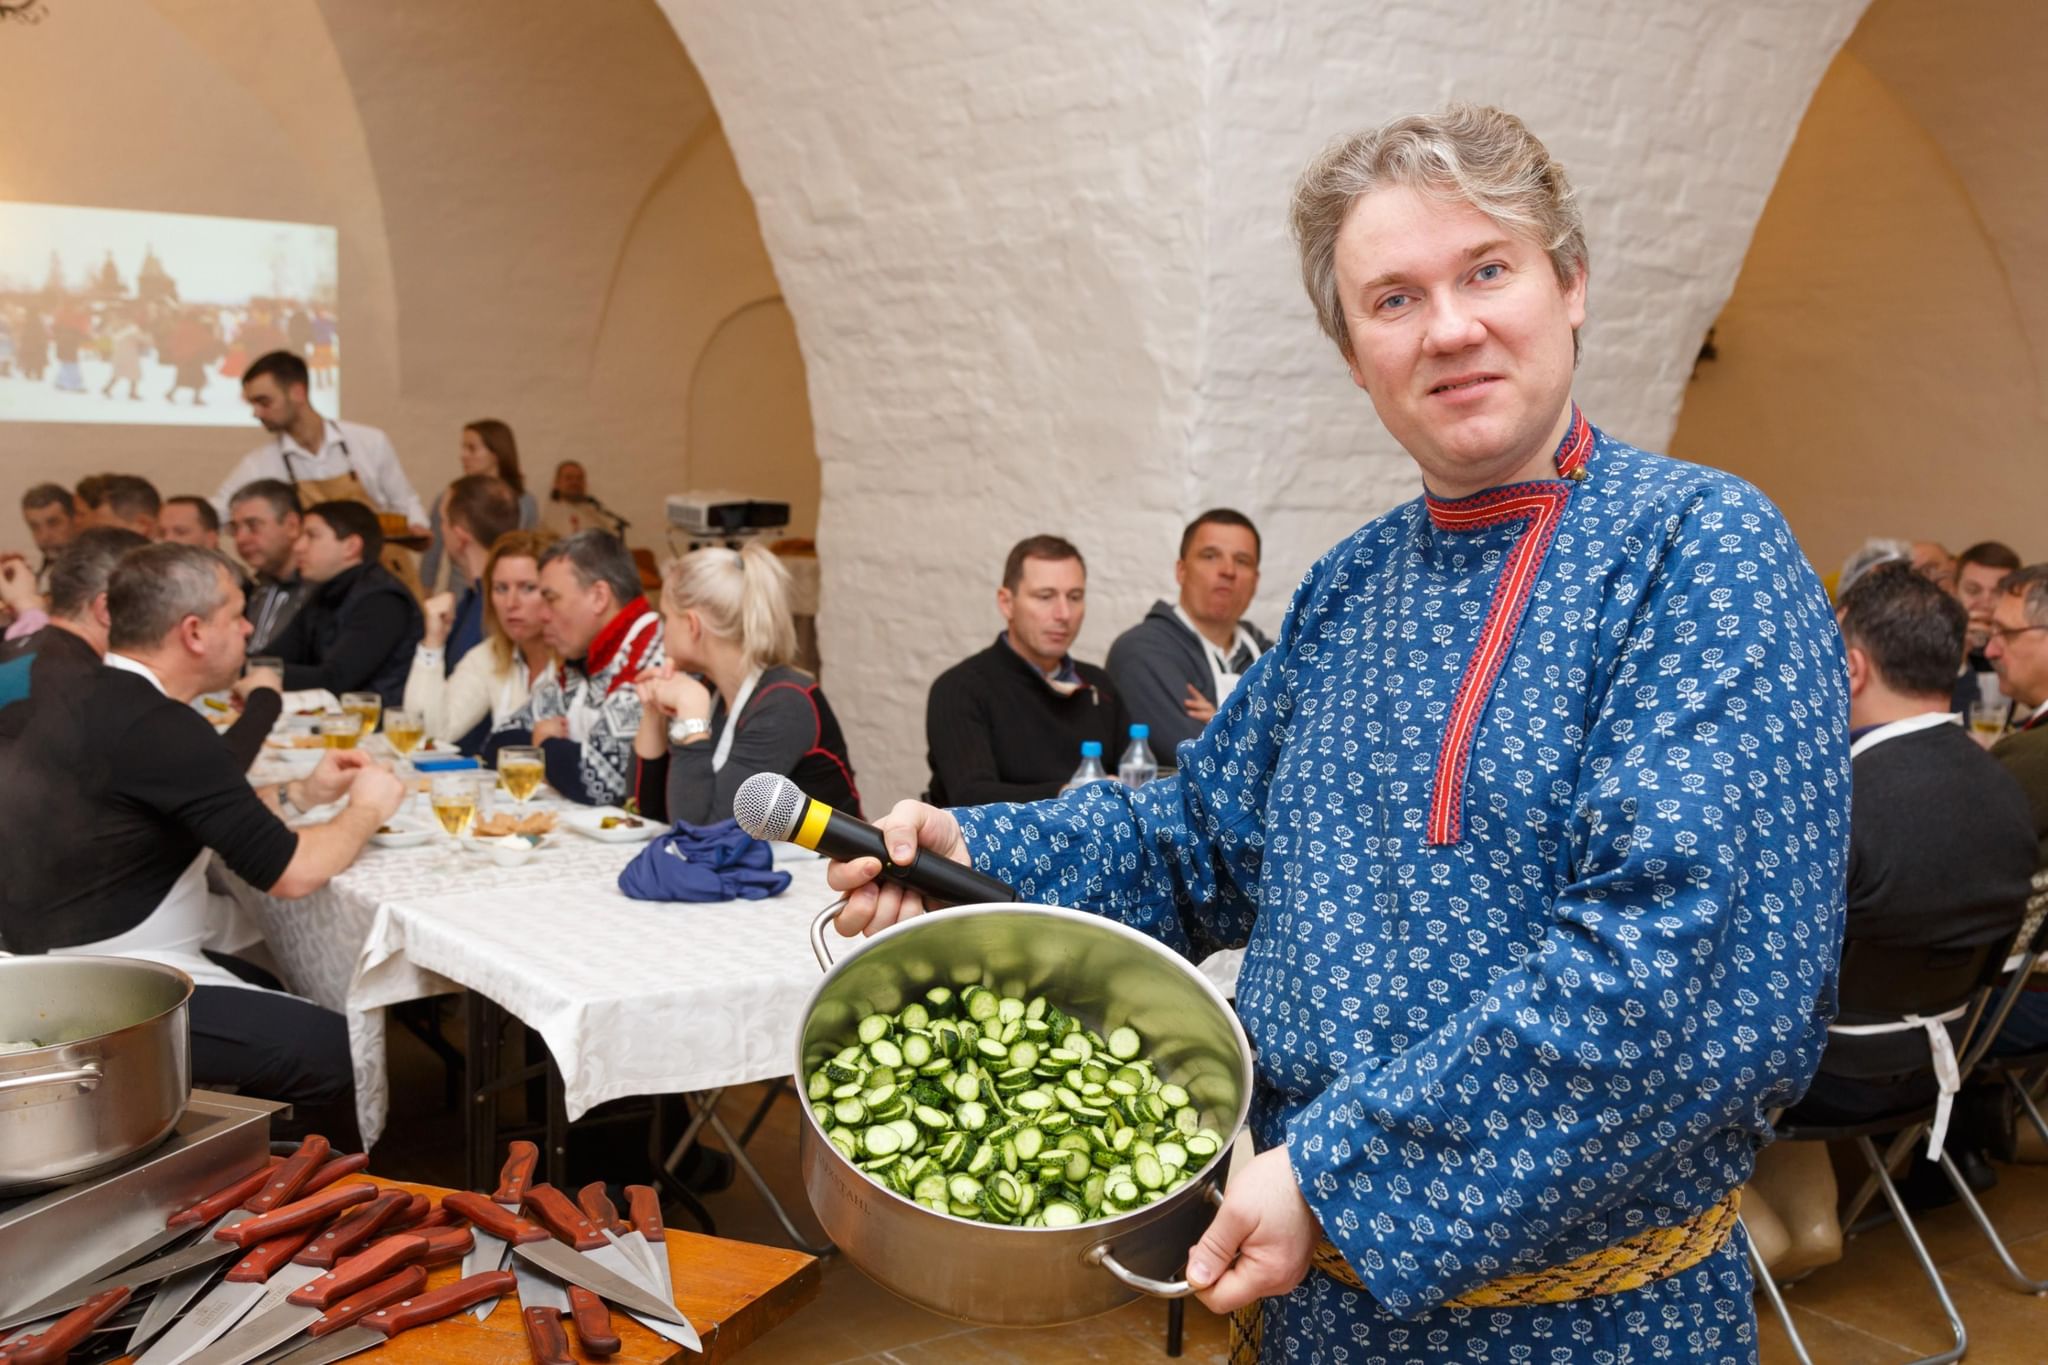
column 110, row 315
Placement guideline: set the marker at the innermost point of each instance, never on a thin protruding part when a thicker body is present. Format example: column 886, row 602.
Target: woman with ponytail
column 728, row 703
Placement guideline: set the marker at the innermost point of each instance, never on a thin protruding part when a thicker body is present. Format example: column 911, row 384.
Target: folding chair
column 2013, row 1070
column 1901, row 990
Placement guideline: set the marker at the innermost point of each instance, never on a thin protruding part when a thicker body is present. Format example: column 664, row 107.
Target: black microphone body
column 936, row 879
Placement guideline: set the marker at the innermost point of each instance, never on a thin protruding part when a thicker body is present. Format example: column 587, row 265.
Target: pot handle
column 1101, row 1254
column 86, row 1077
column 825, row 917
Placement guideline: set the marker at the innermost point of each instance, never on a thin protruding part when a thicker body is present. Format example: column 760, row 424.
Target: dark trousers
column 276, row 1047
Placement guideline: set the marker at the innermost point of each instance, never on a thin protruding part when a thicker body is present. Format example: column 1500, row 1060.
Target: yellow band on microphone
column 813, row 827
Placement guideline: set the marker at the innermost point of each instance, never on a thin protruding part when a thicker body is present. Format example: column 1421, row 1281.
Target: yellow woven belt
column 1631, row 1263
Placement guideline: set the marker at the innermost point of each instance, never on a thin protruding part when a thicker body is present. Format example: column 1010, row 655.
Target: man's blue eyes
column 1486, row 273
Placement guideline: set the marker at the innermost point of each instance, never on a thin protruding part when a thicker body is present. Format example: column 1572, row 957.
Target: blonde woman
column 726, row 620
column 490, row 682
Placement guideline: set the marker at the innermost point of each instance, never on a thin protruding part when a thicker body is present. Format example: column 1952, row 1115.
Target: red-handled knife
column 643, row 1205
column 588, row 1259
column 490, row 1254
column 304, row 1305
column 51, row 1345
column 415, row 1309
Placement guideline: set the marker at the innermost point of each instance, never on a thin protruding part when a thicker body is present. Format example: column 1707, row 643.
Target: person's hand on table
column 377, row 787
column 1198, row 707
column 554, row 727
column 334, row 775
column 439, row 611
column 1259, row 1243
column 263, row 677
column 872, row 905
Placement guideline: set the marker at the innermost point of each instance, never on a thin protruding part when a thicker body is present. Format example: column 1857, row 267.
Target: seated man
column 1932, row 560
column 2017, row 645
column 122, row 500
column 1177, row 665
column 1979, row 571
column 570, row 507
column 67, row 648
column 263, row 517
column 1007, row 724
column 130, row 794
column 1941, row 855
column 52, row 517
column 358, row 630
column 189, row 520
column 475, row 511
column 585, row 714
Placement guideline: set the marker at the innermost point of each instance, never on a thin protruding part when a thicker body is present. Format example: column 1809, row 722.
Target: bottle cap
column 1091, row 748
column 1141, row 731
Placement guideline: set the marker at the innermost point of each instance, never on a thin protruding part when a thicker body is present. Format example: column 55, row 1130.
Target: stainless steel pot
column 113, row 1072
column 1103, row 973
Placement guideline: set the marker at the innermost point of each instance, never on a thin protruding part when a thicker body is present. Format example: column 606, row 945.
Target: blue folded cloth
column 720, row 862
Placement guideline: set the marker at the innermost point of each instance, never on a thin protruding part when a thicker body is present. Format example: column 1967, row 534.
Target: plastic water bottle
column 1090, row 769
column 1137, row 766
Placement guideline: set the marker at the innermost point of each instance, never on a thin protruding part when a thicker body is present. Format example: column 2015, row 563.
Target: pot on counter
column 1099, row 971
column 109, row 1076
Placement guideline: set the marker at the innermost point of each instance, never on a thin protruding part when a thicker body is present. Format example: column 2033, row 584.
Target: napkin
column 720, row 862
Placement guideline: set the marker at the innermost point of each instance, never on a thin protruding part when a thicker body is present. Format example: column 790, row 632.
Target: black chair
column 1886, row 984
column 2012, row 1071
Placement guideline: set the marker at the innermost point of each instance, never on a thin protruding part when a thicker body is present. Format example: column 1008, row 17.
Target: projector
column 725, row 514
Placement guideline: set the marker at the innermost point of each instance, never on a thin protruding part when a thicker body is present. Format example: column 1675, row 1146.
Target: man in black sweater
column 1008, row 723
column 358, row 630
column 54, row 659
column 1941, row 856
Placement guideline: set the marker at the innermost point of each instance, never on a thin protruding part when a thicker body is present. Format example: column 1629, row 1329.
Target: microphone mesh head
column 767, row 806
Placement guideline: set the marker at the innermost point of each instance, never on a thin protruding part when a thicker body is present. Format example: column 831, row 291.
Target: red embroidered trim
column 1540, row 504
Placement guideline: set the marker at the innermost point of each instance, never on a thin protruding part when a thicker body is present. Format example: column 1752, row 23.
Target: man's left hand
column 334, row 775
column 554, row 727
column 1258, row 1245
column 264, row 677
column 1199, row 708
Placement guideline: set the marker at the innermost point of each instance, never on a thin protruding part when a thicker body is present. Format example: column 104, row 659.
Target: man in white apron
column 117, row 796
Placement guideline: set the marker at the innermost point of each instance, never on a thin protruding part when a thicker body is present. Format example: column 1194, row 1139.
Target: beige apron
column 403, row 563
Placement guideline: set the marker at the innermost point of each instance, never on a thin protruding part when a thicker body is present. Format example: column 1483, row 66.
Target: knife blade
column 337, row 1340
column 60, row 1338
column 533, row 1243
column 643, row 1204
column 292, row 1180
column 491, row 1251
column 305, row 1304
column 627, row 1237
column 543, row 1301
column 225, row 1303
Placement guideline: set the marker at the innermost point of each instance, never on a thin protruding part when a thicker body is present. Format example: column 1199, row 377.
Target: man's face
column 180, row 522
column 224, row 636
column 50, row 525
column 1461, row 335
column 1046, row 609
column 2018, row 649
column 262, row 541
column 1935, row 564
column 569, row 481
column 1977, row 590
column 322, row 554
column 571, row 614
column 1219, row 574
column 271, row 404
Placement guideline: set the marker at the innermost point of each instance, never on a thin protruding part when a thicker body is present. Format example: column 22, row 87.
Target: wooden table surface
column 732, row 1293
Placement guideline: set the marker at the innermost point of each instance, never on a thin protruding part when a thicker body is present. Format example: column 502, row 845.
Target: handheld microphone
column 770, row 806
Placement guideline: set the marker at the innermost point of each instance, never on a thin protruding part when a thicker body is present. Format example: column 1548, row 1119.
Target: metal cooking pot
column 113, row 1072
column 1103, row 973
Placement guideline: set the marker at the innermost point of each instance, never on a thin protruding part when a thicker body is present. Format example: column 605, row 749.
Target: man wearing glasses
column 2018, row 649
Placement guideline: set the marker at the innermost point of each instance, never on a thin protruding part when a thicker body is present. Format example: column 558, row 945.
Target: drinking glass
column 263, row 661
column 341, row 730
column 522, row 770
column 368, row 705
column 1987, row 720
column 404, row 730
column 453, row 797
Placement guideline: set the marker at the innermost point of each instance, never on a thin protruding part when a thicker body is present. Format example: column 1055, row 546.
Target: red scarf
column 607, row 643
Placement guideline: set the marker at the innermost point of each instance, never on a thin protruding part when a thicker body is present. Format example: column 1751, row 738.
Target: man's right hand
column 440, row 613
column 872, row 905
column 18, row 586
column 1199, row 708
column 380, row 789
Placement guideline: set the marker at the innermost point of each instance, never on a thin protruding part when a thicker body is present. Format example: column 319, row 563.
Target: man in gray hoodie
column 1175, row 667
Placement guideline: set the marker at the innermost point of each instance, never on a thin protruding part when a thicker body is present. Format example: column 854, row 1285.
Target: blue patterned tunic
column 1535, row 823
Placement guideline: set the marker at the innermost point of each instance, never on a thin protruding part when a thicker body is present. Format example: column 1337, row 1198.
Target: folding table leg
column 484, row 1023
column 1919, row 1249
column 705, row 1103
column 1990, row 1231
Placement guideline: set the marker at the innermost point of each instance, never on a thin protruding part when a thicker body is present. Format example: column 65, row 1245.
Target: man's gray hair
column 1868, row 556
column 598, row 557
column 84, row 567
column 158, row 586
column 2030, row 585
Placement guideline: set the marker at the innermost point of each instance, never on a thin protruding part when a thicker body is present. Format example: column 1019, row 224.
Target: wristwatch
column 684, row 729
column 284, row 799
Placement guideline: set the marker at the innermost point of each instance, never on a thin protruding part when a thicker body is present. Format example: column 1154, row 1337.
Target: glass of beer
column 341, row 730
column 453, row 796
column 522, row 771
column 368, row 705
column 1987, row 720
column 404, row 730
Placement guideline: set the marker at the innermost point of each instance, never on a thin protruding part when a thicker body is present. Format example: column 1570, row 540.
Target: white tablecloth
column 632, row 997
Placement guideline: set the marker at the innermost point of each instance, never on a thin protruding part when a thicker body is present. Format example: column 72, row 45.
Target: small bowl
column 508, row 850
column 402, row 836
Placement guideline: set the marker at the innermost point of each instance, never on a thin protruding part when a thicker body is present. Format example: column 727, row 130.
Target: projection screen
column 114, row 315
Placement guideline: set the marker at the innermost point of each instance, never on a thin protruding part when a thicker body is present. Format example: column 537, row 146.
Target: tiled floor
column 1869, row 1309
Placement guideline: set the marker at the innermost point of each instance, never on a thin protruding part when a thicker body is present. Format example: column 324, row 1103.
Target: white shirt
column 1221, row 674
column 345, row 447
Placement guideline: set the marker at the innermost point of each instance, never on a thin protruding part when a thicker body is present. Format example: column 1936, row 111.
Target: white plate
column 403, row 836
column 590, row 824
